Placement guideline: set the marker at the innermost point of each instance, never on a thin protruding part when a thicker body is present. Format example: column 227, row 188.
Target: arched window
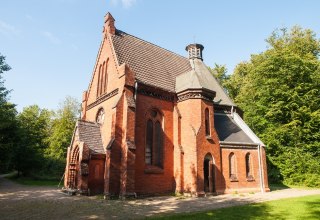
column 149, row 142
column 102, row 78
column 98, row 83
column 105, row 76
column 158, row 144
column 100, row 116
column 207, row 122
column 154, row 139
column 249, row 167
column 232, row 167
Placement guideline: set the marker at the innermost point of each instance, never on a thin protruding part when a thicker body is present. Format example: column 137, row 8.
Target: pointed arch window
column 232, row 167
column 105, row 76
column 102, row 78
column 249, row 167
column 158, row 145
column 98, row 83
column 149, row 142
column 207, row 122
column 154, row 139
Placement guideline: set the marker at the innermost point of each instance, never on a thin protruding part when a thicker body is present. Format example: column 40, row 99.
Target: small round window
column 100, row 116
column 154, row 113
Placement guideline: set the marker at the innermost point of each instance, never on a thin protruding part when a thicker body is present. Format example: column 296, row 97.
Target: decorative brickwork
column 103, row 98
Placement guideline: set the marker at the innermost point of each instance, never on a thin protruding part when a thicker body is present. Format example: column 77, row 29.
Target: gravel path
column 30, row 202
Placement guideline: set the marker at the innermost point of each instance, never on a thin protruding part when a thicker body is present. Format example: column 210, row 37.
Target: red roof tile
column 152, row 64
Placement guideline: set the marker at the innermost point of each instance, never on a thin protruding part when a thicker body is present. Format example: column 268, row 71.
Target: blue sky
column 52, row 45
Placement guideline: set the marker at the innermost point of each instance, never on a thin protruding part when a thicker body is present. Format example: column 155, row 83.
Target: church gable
column 106, row 69
column 139, row 144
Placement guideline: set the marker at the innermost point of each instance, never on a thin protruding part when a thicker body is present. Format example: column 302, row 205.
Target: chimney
column 109, row 24
column 195, row 51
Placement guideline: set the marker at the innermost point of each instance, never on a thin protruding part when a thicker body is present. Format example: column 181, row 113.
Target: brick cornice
column 155, row 93
column 103, row 98
column 238, row 145
column 196, row 94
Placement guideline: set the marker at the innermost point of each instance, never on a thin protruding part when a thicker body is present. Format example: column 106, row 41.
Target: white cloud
column 7, row 29
column 53, row 39
column 125, row 3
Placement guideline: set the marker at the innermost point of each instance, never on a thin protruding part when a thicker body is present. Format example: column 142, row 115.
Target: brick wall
column 242, row 184
column 148, row 179
column 208, row 145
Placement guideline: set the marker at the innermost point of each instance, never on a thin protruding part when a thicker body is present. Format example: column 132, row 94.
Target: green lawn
column 31, row 181
column 307, row 207
column 280, row 186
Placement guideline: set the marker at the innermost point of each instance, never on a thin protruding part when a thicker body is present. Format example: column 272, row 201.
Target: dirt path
column 30, row 202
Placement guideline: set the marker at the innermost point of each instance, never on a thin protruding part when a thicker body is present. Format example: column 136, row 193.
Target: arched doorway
column 73, row 169
column 208, row 173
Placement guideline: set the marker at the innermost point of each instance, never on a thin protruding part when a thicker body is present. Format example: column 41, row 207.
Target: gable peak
column 109, row 24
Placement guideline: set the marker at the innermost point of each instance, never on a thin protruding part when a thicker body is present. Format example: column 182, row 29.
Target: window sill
column 153, row 170
column 208, row 137
column 234, row 180
column 250, row 179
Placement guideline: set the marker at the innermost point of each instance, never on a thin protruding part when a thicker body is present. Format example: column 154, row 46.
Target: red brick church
column 155, row 122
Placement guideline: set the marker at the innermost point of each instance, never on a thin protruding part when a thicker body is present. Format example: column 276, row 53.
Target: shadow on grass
column 278, row 186
column 314, row 209
column 254, row 211
column 31, row 180
column 307, row 207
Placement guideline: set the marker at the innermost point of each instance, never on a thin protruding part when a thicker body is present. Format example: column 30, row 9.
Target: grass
column 31, row 181
column 280, row 186
column 307, row 207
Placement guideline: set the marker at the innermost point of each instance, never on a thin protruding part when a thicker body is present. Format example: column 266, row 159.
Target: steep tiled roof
column 89, row 133
column 201, row 78
column 228, row 130
column 159, row 67
column 152, row 64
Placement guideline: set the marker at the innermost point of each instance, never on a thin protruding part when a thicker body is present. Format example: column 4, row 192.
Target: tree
column 8, row 125
column 34, row 131
column 61, row 134
column 279, row 91
column 220, row 72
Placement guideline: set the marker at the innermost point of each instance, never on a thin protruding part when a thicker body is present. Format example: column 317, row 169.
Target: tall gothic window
column 105, row 76
column 149, row 142
column 98, row 83
column 207, row 122
column 232, row 167
column 102, row 78
column 249, row 167
column 154, row 139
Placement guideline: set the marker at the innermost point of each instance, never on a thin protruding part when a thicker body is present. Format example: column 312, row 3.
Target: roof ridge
column 153, row 44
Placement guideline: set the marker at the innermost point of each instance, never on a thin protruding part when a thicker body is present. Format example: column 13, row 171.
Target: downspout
column 135, row 91
column 232, row 111
column 260, row 170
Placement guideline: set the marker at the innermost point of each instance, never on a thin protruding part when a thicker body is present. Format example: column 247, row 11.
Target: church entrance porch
column 208, row 174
